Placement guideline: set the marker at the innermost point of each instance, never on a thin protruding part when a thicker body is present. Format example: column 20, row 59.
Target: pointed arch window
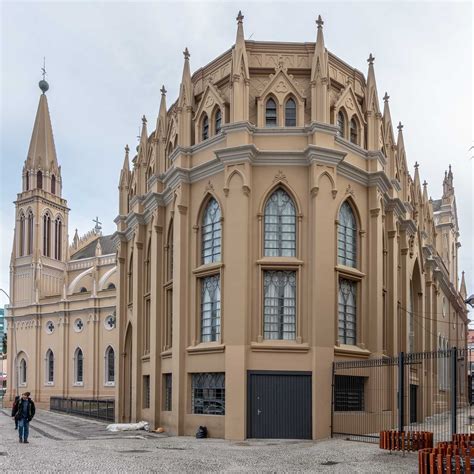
column 30, row 233
column 21, row 235
column 78, row 366
column 210, row 308
column 57, row 238
column 130, row 280
column 53, row 184
column 270, row 113
column 47, row 235
column 39, row 180
column 280, row 225
column 347, row 236
column 211, row 233
column 341, row 124
column 49, row 366
column 110, row 366
column 347, row 311
column 279, row 313
column 205, row 127
column 290, row 113
column 218, row 121
column 168, row 329
column 148, row 268
column 354, row 132
column 22, row 370
column 411, row 321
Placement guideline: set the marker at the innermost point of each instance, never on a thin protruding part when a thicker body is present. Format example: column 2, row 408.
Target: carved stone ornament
column 350, row 103
column 350, row 190
column 209, row 101
column 280, row 176
column 209, row 187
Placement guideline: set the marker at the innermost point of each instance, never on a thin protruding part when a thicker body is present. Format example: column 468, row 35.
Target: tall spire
column 372, row 109
column 319, row 77
column 42, row 152
column 161, row 122
column 387, row 118
column 125, row 172
column 462, row 289
column 185, row 92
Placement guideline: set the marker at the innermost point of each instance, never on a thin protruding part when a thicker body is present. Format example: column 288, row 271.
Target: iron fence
column 98, row 409
column 425, row 391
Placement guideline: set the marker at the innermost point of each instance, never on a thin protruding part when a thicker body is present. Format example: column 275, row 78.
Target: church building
column 268, row 226
column 62, row 336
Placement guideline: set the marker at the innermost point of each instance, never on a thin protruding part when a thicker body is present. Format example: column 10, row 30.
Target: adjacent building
column 270, row 225
column 62, row 339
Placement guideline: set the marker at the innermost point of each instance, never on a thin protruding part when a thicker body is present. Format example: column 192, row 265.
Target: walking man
column 15, row 409
column 24, row 414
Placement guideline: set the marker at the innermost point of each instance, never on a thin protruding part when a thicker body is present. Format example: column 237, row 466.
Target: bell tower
column 39, row 253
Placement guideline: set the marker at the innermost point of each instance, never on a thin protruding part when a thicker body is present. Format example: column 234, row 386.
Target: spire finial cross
column 320, row 22
column 98, row 224
column 163, row 90
column 144, row 120
column 127, row 149
column 371, row 59
column 417, row 165
column 186, row 53
column 425, row 183
column 386, row 97
column 240, row 17
column 400, row 126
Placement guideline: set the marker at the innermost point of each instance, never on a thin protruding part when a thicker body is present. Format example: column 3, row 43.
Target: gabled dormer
column 281, row 102
column 349, row 117
column 211, row 114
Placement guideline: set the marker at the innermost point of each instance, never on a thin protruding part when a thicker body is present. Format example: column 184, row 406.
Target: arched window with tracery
column 341, row 124
column 53, row 184
column 47, row 235
column 57, row 238
column 347, row 236
column 280, row 225
column 30, row 233
column 78, row 366
column 354, row 132
column 211, row 233
column 271, row 113
column 205, row 127
column 130, row 280
column 21, row 235
column 218, row 121
column 290, row 113
column 168, row 330
column 110, row 366
column 39, row 180
column 49, row 366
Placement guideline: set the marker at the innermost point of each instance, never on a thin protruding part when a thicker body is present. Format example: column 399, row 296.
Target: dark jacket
column 31, row 409
column 15, row 405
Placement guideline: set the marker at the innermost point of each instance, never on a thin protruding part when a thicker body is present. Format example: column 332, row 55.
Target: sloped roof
column 88, row 251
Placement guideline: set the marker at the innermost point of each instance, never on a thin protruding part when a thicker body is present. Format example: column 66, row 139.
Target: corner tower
column 41, row 217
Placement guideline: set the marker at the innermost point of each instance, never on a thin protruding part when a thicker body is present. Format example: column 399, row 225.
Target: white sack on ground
column 142, row 425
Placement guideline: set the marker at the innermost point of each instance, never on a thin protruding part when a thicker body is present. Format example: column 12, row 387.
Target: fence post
column 454, row 394
column 401, row 391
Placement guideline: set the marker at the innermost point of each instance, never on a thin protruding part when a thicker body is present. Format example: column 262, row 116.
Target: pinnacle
column 371, row 59
column 240, row 17
column 320, row 22
column 186, row 53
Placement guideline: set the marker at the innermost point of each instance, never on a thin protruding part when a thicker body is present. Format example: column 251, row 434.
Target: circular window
column 110, row 322
column 78, row 325
column 50, row 327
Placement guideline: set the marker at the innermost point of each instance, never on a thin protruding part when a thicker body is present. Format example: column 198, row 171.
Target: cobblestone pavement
column 62, row 443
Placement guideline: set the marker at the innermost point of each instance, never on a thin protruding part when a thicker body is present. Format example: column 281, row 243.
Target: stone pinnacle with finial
column 320, row 22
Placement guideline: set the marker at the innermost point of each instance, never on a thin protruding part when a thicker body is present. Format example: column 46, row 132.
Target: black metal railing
column 425, row 391
column 97, row 409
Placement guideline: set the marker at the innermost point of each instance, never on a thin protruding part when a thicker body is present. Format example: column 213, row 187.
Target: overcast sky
column 107, row 61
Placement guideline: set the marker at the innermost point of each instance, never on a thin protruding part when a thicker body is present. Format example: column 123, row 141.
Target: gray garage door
column 279, row 405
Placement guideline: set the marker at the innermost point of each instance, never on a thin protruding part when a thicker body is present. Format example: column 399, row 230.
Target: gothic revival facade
column 61, row 320
column 270, row 225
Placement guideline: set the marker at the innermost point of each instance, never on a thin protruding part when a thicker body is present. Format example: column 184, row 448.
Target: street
column 63, row 443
